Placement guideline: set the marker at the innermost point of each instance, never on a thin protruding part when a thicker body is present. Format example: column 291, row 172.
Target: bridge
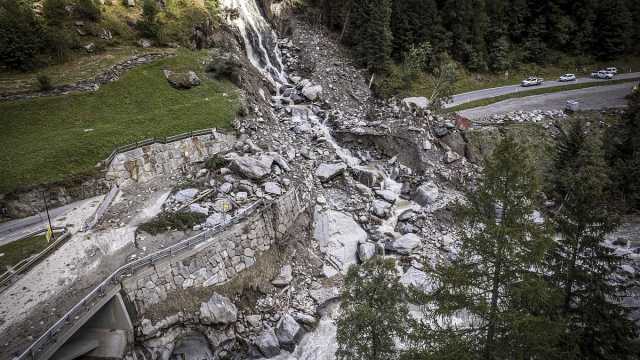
column 101, row 325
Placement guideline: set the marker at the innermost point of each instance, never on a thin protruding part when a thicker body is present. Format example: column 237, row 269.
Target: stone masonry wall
column 222, row 256
column 146, row 162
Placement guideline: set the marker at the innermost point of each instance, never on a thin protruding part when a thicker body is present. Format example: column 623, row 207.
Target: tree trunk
column 493, row 310
column 568, row 289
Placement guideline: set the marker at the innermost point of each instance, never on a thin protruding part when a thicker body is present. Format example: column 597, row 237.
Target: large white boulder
column 338, row 235
column 252, row 167
column 312, row 92
column 419, row 102
column 328, row 171
column 288, row 331
column 417, row 279
column 427, row 194
column 406, row 243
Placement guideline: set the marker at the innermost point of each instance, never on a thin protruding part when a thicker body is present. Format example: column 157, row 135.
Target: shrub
column 59, row 43
column 88, row 9
column 54, row 11
column 21, row 35
column 215, row 163
column 149, row 26
column 165, row 221
column 44, row 83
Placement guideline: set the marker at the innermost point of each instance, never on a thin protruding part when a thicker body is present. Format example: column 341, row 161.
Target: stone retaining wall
column 148, row 161
column 220, row 258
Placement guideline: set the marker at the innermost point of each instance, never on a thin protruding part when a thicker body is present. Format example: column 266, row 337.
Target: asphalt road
column 592, row 98
column 504, row 90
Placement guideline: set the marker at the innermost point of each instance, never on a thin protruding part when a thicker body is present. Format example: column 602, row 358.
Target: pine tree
column 371, row 33
column 374, row 314
column 614, row 29
column 623, row 153
column 497, row 276
column 582, row 265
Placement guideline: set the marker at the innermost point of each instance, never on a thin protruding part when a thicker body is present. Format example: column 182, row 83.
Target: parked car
column 612, row 70
column 602, row 74
column 568, row 77
column 532, row 81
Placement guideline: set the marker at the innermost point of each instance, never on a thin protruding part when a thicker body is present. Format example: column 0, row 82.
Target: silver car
column 532, row 81
column 567, row 77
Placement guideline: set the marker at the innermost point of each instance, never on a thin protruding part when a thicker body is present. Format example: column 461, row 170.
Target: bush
column 149, row 26
column 215, row 163
column 22, row 37
column 88, row 9
column 44, row 83
column 60, row 42
column 54, row 11
column 179, row 221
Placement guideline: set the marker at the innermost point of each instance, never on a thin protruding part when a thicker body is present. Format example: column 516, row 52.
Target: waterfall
column 259, row 38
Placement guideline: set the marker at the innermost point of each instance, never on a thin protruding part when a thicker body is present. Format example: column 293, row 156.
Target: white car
column 612, row 70
column 532, row 81
column 567, row 77
column 602, row 74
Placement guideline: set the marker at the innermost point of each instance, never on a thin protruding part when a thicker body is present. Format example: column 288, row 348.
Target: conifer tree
column 371, row 33
column 374, row 314
column 582, row 265
column 614, row 29
column 492, row 301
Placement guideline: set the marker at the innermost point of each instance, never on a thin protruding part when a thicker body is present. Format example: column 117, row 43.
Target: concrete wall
column 144, row 163
column 222, row 257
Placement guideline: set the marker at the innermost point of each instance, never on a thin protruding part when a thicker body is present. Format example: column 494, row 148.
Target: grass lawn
column 16, row 251
column 51, row 139
column 540, row 91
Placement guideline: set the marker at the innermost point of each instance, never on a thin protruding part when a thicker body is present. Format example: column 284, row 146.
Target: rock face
column 288, row 331
column 338, row 235
column 405, row 244
column 218, row 310
column 327, row 171
column 182, row 81
column 426, row 194
column 268, row 343
column 252, row 167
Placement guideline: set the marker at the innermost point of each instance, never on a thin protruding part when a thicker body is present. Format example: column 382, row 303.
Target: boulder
column 426, row 194
column 366, row 251
column 387, row 195
column 324, row 295
column 380, row 208
column 131, row 3
column 272, row 188
column 279, row 160
column 197, row 208
column 144, row 43
column 417, row 279
column 288, row 332
column 456, row 142
column 405, row 244
column 411, row 103
column 214, row 219
column 268, row 343
column 252, row 167
column 225, row 188
column 338, row 235
column 218, row 310
column 285, row 276
column 312, row 92
column 185, row 195
column 366, row 176
column 182, row 81
column 451, row 156
column 328, row 171
column 90, row 47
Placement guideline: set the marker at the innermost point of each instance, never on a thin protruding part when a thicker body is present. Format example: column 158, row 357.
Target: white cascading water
column 259, row 38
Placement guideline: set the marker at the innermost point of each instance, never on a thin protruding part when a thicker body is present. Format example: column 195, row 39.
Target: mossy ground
column 16, row 251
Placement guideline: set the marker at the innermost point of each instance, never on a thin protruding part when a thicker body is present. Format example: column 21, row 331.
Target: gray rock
column 406, row 215
column 366, row 251
column 252, row 167
column 214, row 219
column 268, row 343
column 218, row 310
column 415, row 102
column 426, row 194
column 241, row 196
column 417, row 279
column 288, row 332
column 405, row 244
column 328, row 171
column 426, row 145
column 225, row 188
column 338, row 236
column 323, row 295
column 366, row 176
column 312, row 92
column 131, row 3
column 272, row 188
column 182, row 81
column 279, row 160
column 185, row 195
column 197, row 208
column 90, row 47
column 285, row 277
column 254, row 320
column 440, row 131
column 380, row 208
column 388, row 195
column 451, row 156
